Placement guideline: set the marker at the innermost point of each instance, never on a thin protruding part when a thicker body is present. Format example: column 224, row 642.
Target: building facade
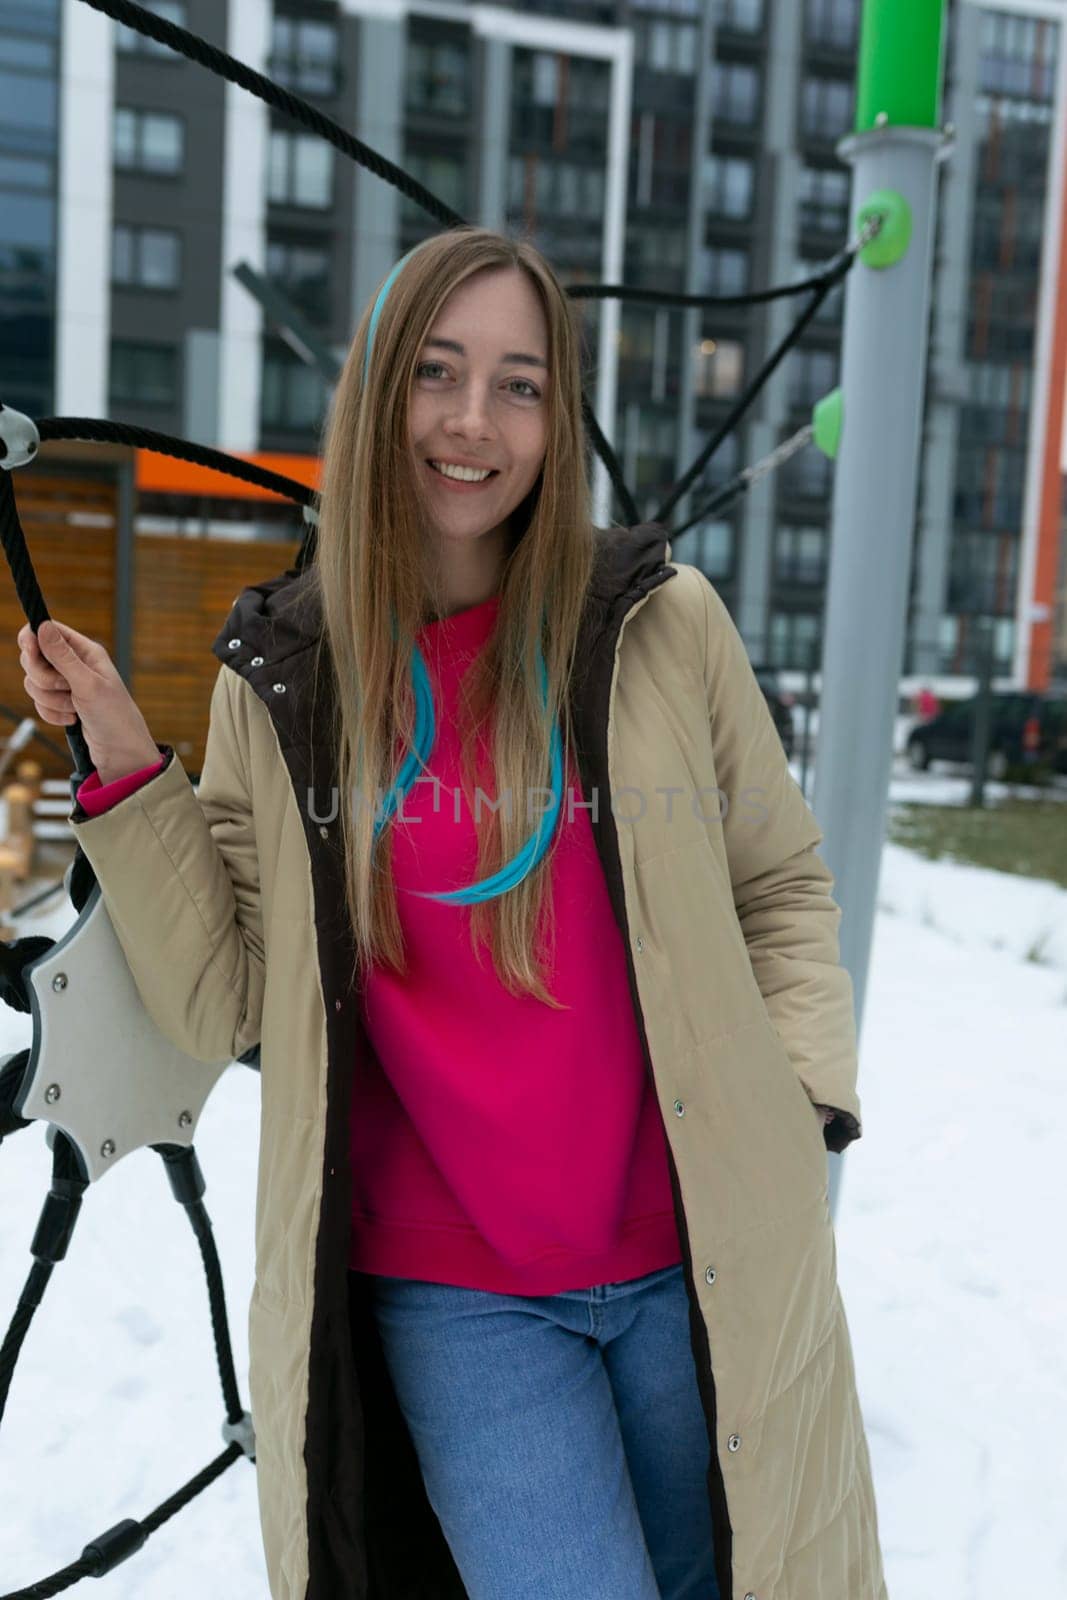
column 164, row 179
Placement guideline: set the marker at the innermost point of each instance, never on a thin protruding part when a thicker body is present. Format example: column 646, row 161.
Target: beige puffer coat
column 745, row 1015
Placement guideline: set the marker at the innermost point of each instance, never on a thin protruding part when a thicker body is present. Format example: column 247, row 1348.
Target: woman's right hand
column 69, row 675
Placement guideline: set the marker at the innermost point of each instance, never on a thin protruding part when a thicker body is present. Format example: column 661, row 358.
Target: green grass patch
column 1028, row 837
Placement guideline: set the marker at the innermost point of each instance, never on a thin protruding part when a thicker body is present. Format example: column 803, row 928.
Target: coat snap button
column 679, row 1108
column 750, row 1596
column 640, row 946
column 235, row 644
column 279, row 688
column 324, row 832
column 709, row 1275
column 734, row 1441
column 256, row 661
column 337, row 1005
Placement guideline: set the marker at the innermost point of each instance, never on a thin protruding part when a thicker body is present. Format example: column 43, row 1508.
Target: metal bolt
column 59, row 982
column 709, row 1275
column 882, row 119
column 324, row 832
column 185, row 1119
column 108, row 1147
column 235, row 644
column 279, row 688
column 52, row 1093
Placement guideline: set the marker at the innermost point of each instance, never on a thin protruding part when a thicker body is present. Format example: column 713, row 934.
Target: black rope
column 737, row 411
column 206, row 55
column 108, row 1549
column 54, row 1228
column 201, row 455
column 698, row 302
column 31, row 599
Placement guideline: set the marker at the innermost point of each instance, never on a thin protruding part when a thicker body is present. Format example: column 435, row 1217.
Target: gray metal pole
column 883, row 372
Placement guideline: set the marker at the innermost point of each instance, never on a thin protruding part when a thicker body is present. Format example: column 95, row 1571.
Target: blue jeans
column 560, row 1437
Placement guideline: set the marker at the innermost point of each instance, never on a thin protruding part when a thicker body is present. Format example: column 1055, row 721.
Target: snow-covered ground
column 949, row 1232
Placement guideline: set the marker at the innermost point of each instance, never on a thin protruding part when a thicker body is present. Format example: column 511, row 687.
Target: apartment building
column 132, row 183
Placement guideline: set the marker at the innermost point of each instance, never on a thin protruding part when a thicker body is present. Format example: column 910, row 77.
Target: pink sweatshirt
column 497, row 1143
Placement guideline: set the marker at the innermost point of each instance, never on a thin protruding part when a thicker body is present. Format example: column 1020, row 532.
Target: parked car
column 1026, row 731
column 781, row 707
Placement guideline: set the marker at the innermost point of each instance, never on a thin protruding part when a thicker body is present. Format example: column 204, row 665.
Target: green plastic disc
column 827, row 419
column 887, row 248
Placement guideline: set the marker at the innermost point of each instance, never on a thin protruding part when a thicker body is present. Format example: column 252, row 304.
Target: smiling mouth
column 467, row 483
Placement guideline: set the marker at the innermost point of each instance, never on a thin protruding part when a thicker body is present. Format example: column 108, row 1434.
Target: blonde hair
column 375, row 590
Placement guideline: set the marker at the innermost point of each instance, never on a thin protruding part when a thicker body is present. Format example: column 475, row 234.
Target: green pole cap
column 888, row 246
column 828, row 418
column 900, row 64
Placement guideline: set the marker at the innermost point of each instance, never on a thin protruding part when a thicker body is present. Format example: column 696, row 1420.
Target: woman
column 569, row 1145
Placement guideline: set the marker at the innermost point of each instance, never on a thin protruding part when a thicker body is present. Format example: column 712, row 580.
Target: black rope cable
column 13, row 540
column 125, row 1538
column 100, row 431
column 699, row 302
column 748, row 396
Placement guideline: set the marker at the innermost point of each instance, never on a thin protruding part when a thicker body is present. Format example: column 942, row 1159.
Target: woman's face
column 479, row 399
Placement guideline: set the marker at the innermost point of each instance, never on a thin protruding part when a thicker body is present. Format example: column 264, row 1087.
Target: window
column 827, row 108
column 834, row 23
column 735, row 93
column 129, row 42
column 303, row 55
column 715, row 547
column 562, row 187
column 143, row 374
column 724, row 270
column 796, row 640
column 1018, row 55
column 293, row 397
column 741, row 16
column 724, row 464
column 728, row 185
column 824, row 196
column 145, row 258
column 708, row 546
column 299, row 170
column 678, row 8
column 25, row 172
column 444, row 172
column 800, row 554
column 667, row 46
column 148, row 141
column 813, row 373
column 718, row 368
column 438, row 77
column 990, row 484
column 303, row 271
column 983, row 572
